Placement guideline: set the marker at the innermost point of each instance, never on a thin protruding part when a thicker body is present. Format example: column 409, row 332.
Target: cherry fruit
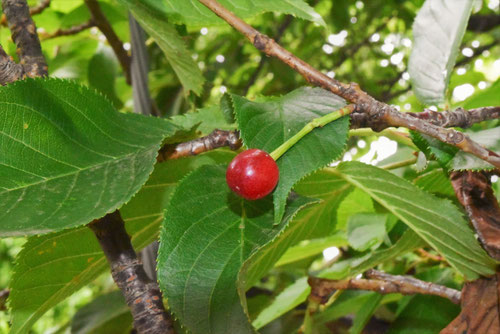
column 252, row 174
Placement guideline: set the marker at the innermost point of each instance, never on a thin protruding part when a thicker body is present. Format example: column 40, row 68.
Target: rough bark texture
column 218, row 138
column 25, row 37
column 480, row 313
column 474, row 192
column 143, row 296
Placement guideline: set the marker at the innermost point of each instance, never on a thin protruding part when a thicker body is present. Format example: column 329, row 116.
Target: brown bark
column 143, row 296
column 480, row 313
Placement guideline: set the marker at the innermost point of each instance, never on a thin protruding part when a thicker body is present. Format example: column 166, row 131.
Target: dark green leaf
column 68, row 156
column 425, row 315
column 102, row 72
column 57, row 265
column 266, row 125
column 151, row 15
column 207, row 235
column 365, row 313
column 312, row 222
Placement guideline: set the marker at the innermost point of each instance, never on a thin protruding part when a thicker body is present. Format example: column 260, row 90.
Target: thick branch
column 381, row 114
column 382, row 283
column 70, row 31
column 25, row 37
column 10, row 71
column 474, row 192
column 33, row 11
column 142, row 295
column 114, row 41
column 217, row 139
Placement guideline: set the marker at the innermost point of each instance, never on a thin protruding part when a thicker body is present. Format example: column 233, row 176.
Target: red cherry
column 252, row 174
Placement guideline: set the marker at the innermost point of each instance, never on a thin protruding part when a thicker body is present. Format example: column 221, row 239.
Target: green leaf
column 436, row 182
column 408, row 242
column 226, row 106
column 425, row 315
column 434, row 148
column 356, row 201
column 312, row 222
column 266, row 125
column 298, row 292
column 205, row 120
column 287, row 300
column 437, row 33
column 57, row 265
column 104, row 314
column 435, row 220
column 309, row 248
column 366, row 230
column 349, row 302
column 365, row 313
column 192, row 12
column 208, row 233
column 151, row 16
column 102, row 72
column 68, row 156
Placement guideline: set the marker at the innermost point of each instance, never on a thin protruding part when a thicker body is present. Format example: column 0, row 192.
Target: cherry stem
column 315, row 123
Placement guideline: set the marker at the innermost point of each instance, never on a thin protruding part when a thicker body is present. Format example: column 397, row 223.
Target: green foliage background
column 368, row 42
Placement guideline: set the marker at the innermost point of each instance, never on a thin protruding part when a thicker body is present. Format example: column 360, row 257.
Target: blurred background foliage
column 367, row 42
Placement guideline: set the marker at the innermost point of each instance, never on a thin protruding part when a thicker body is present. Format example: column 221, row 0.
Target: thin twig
column 382, row 114
column 142, row 295
column 25, row 37
column 69, row 31
column 33, row 11
column 382, row 283
column 114, row 41
column 216, row 139
column 4, row 294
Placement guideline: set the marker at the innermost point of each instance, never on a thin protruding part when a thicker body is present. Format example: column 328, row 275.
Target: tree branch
column 142, row 295
column 25, row 37
column 474, row 192
column 382, row 283
column 114, row 41
column 10, row 71
column 69, row 31
column 217, row 139
column 380, row 113
column 221, row 138
column 33, row 11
